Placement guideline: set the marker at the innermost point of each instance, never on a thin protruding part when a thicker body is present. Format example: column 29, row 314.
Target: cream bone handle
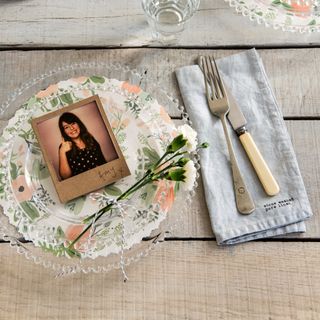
column 264, row 174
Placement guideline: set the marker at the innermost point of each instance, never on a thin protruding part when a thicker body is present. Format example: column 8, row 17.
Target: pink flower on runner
column 50, row 90
column 130, row 88
column 21, row 189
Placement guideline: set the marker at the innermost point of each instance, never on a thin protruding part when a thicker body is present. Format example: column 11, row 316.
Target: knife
column 238, row 123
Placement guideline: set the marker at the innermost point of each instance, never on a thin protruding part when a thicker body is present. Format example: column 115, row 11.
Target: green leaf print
column 76, row 205
column 112, row 190
column 60, row 233
column 287, row 6
column 151, row 154
column 133, row 107
column 39, row 170
column 54, row 102
column 176, row 187
column 276, row 2
column 66, row 98
column 32, row 101
column 312, row 22
column 148, row 193
column 97, row 79
column 14, row 171
column 30, row 210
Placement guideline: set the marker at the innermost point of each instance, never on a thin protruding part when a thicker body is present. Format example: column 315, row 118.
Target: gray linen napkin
column 284, row 213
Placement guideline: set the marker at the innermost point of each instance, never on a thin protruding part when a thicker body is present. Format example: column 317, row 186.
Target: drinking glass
column 168, row 18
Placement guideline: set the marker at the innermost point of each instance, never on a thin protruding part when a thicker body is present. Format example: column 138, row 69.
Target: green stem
column 139, row 184
column 156, row 165
column 99, row 214
column 175, row 155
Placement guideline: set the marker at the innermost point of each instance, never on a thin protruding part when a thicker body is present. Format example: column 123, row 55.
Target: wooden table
column 188, row 276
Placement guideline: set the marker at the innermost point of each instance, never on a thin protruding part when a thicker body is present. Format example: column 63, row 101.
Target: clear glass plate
column 288, row 15
column 100, row 264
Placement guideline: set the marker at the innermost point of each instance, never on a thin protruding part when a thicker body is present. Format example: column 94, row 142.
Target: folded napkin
column 245, row 76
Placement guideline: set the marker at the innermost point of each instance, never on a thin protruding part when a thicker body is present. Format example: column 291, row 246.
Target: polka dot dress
column 85, row 159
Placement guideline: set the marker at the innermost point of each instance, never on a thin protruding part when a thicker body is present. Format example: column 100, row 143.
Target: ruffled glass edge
column 272, row 16
column 63, row 266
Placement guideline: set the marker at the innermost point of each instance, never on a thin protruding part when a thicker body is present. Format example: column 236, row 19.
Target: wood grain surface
column 188, row 276
column 293, row 73
column 179, row 280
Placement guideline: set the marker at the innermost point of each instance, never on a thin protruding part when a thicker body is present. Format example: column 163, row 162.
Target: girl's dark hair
column 85, row 135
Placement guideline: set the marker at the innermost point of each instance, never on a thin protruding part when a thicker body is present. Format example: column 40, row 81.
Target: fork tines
column 212, row 75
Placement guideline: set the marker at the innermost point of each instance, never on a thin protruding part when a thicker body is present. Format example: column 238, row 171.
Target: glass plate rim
column 241, row 7
column 155, row 240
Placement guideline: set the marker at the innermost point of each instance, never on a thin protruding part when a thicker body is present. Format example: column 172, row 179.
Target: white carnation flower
column 190, row 174
column 189, row 134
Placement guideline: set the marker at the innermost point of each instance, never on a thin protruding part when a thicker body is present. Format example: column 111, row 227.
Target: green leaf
column 39, row 170
column 66, row 98
column 312, row 22
column 13, row 170
column 54, row 102
column 176, row 144
column 151, row 154
column 34, row 148
column 150, row 190
column 112, row 190
column 44, row 172
column 60, row 233
column 76, row 205
column 182, row 162
column 30, row 210
column 32, row 101
column 97, row 79
column 276, row 2
column 176, row 175
column 176, row 187
column 287, row 6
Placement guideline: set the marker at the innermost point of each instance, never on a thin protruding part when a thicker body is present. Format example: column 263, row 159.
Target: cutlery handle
column 265, row 176
column 245, row 204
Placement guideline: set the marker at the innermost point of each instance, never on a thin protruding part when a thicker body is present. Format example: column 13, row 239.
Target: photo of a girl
column 76, row 140
column 79, row 148
column 79, row 151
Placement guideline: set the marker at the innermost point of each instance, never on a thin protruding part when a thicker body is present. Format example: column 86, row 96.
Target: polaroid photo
column 79, row 148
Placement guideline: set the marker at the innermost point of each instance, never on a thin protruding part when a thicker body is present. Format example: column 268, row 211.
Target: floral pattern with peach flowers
column 80, row 79
column 50, row 90
column 139, row 129
column 164, row 115
column 130, row 88
column 73, row 231
column 119, row 124
column 164, row 195
column 21, row 189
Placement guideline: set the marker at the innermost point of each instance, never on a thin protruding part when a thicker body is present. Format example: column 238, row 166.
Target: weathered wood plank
column 293, row 73
column 80, row 23
column 179, row 280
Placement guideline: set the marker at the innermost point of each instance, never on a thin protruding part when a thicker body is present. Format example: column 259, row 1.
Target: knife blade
column 238, row 123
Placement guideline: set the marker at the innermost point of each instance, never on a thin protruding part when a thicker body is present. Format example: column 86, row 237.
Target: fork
column 218, row 105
